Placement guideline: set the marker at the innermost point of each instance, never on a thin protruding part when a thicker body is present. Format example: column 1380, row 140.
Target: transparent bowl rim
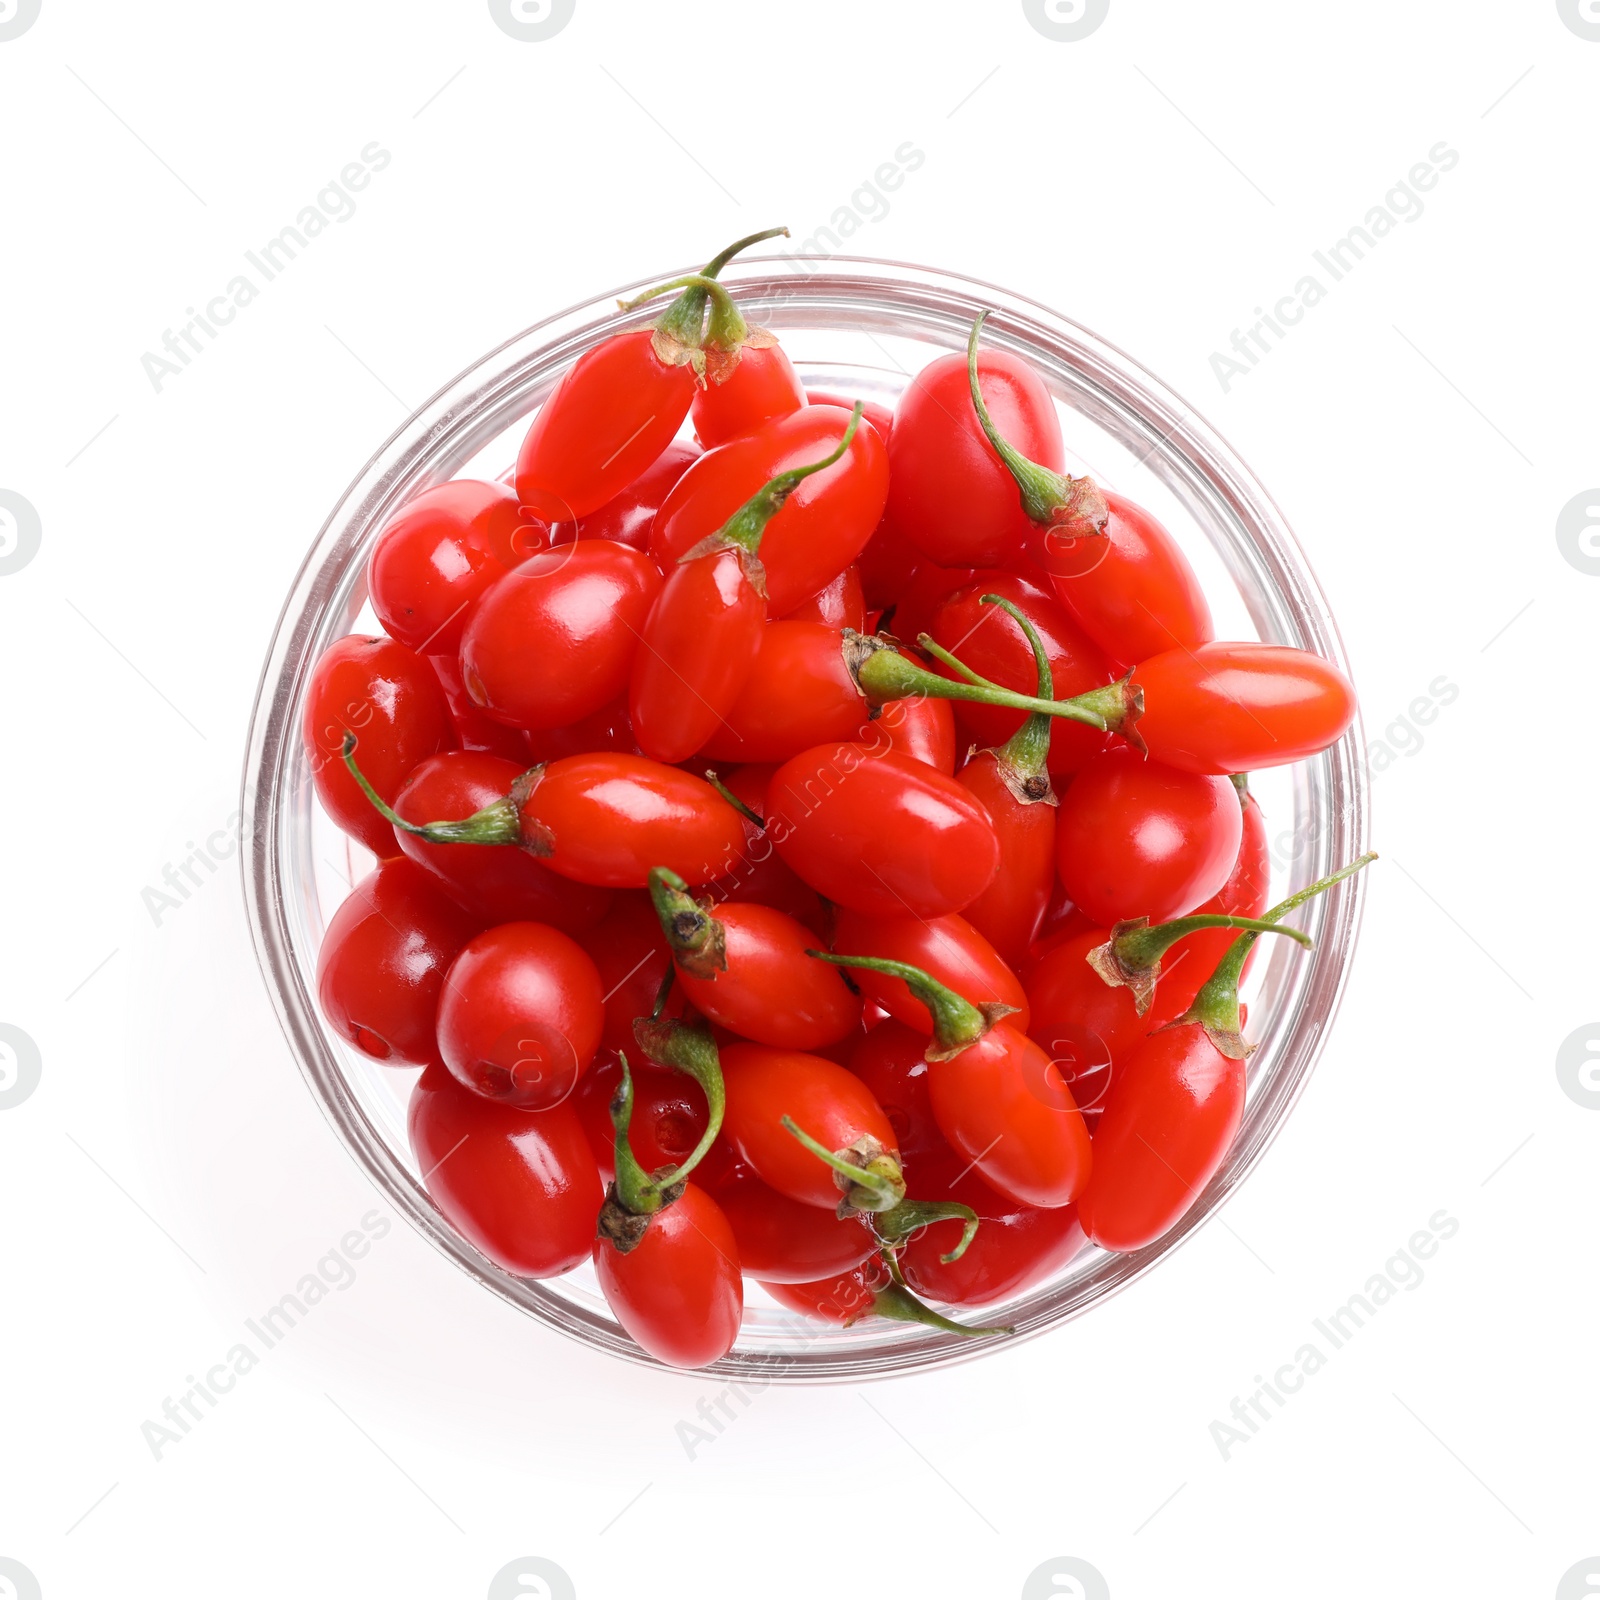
column 1187, row 453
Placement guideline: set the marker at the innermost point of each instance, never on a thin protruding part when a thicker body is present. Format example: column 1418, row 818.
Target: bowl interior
column 861, row 328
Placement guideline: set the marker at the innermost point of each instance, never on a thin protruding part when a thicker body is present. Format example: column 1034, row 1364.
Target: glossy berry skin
column 771, row 992
column 892, row 1060
column 383, row 959
column 1060, row 992
column 1131, row 590
column 520, row 1186
column 1015, row 1248
column 832, row 1105
column 1173, row 1111
column 783, row 1241
column 607, row 819
column 694, row 655
column 888, row 565
column 1239, row 707
column 520, row 1015
column 605, row 729
column 762, row 386
column 918, row 728
column 822, row 527
column 950, row 492
column 475, row 729
column 760, row 874
column 930, row 586
column 1135, row 838
column 1086, row 1025
column 631, row 956
column 626, row 517
column 554, row 640
column 882, row 833
column 1009, row 912
column 949, row 949
column 609, row 418
column 1061, row 917
column 840, row 605
column 1247, row 893
column 992, row 644
column 439, row 553
column 880, row 416
column 494, row 885
column 390, row 698
column 797, row 692
column 678, row 1292
column 1002, row 1105
column 842, row 1299
column 669, row 1115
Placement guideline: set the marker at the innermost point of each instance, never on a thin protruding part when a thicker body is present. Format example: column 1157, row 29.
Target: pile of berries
column 780, row 834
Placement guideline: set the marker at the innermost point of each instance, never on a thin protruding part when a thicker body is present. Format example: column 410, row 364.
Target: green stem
column 1046, row 683
column 927, row 642
column 1216, row 1006
column 715, row 265
column 1024, row 757
column 957, row 1023
column 742, row 531
column 1138, row 945
column 1131, row 957
column 750, row 816
column 898, row 1304
column 873, row 1181
column 1050, row 499
column 636, row 1191
column 682, row 330
column 690, row 1049
column 663, row 990
column 499, row 822
column 682, row 321
column 903, row 1220
column 694, row 936
column 693, row 284
column 887, row 675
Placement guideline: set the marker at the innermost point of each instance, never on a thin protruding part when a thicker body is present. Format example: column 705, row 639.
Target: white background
column 1422, row 428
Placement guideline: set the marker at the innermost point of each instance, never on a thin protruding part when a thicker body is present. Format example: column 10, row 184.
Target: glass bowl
column 861, row 327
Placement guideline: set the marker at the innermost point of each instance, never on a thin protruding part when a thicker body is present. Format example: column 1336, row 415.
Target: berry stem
column 885, row 674
column 694, row 936
column 682, row 327
column 668, row 978
column 715, row 265
column 1216, row 1007
column 1074, row 506
column 634, row 1190
column 927, row 642
column 683, row 318
column 690, row 1049
column 754, row 818
column 743, row 530
column 957, row 1023
column 871, row 1176
column 1024, row 758
column 898, row 1304
column 896, row 1225
column 1131, row 957
column 499, row 822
